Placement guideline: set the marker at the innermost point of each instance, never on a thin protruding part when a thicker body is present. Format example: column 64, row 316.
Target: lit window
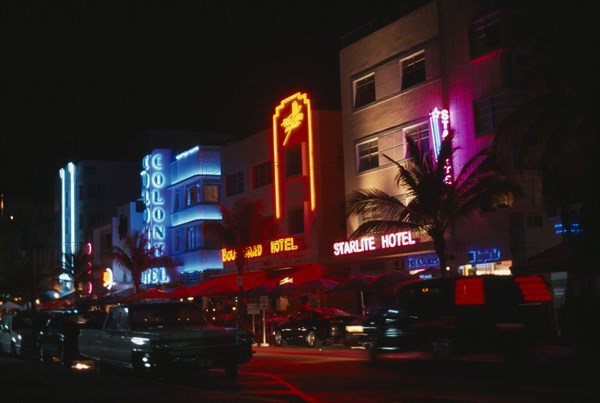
column 368, row 155
column 420, row 134
column 413, row 70
column 210, row 193
column 364, row 91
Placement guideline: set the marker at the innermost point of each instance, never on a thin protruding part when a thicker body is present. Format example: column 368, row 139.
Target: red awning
column 227, row 284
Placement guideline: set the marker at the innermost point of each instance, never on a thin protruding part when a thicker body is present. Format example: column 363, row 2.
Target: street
column 332, row 374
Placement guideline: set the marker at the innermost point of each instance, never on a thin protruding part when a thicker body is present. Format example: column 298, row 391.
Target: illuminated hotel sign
column 107, row 278
column 372, row 243
column 281, row 245
column 417, row 262
column 439, row 121
column 292, row 127
column 154, row 182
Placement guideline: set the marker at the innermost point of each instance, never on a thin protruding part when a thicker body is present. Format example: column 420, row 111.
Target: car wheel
column 312, row 340
column 43, row 355
column 279, row 340
column 65, row 360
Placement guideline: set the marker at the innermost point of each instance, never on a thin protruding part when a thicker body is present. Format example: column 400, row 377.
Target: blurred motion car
column 18, row 333
column 444, row 316
column 57, row 339
column 314, row 327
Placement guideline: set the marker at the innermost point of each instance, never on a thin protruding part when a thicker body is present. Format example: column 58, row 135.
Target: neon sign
column 439, row 121
column 281, row 245
column 155, row 276
column 153, row 188
column 372, row 243
column 107, row 278
column 294, row 116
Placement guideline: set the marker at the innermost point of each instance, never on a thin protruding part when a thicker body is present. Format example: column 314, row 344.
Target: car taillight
column 469, row 291
column 533, row 289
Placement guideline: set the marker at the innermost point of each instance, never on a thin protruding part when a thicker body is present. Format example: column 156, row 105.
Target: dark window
column 262, row 174
column 364, row 91
column 368, row 155
column 485, row 35
column 490, row 112
column 193, row 195
column 293, row 161
column 413, row 70
column 296, row 220
column 234, row 183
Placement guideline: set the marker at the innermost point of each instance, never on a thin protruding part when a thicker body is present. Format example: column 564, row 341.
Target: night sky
column 84, row 79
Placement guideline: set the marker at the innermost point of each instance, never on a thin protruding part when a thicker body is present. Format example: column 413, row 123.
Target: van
column 450, row 315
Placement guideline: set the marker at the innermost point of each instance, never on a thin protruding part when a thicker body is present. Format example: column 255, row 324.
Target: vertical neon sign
column 154, row 183
column 292, row 125
column 439, row 121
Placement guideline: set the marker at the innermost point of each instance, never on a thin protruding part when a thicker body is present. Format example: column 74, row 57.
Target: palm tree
column 137, row 255
column 241, row 226
column 433, row 205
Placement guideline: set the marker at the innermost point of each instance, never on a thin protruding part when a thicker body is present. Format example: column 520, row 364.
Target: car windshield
column 158, row 315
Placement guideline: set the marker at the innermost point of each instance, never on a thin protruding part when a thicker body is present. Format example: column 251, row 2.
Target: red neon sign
column 292, row 126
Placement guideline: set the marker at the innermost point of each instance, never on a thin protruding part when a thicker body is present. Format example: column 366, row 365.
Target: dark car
column 18, row 333
column 461, row 315
column 57, row 340
column 314, row 327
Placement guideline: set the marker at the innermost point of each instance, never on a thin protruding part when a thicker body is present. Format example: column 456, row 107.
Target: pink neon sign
column 372, row 243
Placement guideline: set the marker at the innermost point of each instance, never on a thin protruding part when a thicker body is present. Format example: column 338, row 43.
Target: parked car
column 314, row 327
column 462, row 314
column 17, row 333
column 163, row 336
column 57, row 340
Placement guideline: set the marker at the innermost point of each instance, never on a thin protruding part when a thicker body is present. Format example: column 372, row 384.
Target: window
column 296, row 220
column 413, row 70
column 192, row 195
column 210, row 193
column 364, row 91
column 176, row 200
column 293, row 161
column 498, row 203
column 490, row 112
column 262, row 174
column 368, row 155
column 485, row 35
column 193, row 237
column 420, row 134
column 177, row 241
column 105, row 243
column 234, row 183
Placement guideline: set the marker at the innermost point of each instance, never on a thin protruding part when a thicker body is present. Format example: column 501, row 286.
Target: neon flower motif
column 292, row 121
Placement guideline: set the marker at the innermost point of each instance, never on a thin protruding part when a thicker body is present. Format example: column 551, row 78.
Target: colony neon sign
column 153, row 185
column 292, row 126
column 287, row 244
column 372, row 243
column 439, row 121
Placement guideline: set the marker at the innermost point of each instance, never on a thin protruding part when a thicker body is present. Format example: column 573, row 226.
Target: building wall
column 323, row 225
column 454, row 80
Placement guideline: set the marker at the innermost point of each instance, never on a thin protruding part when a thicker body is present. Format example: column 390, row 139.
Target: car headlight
column 140, row 341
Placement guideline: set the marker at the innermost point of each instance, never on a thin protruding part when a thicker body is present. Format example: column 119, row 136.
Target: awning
column 556, row 258
column 227, row 284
